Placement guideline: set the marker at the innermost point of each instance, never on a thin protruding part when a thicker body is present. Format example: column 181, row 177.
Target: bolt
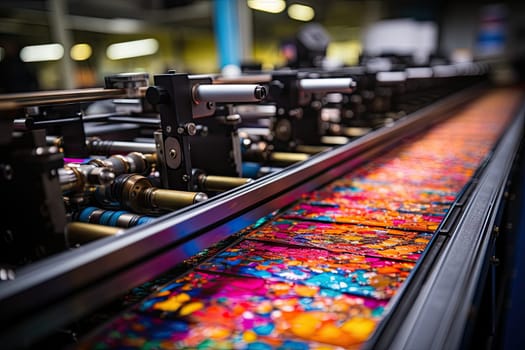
column 210, row 105
column 260, row 92
column 191, row 129
column 173, row 153
column 168, row 128
column 180, row 130
column 185, row 178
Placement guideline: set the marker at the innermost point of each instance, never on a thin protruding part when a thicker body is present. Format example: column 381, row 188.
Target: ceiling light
column 272, row 6
column 80, row 52
column 38, row 53
column 301, row 12
column 131, row 49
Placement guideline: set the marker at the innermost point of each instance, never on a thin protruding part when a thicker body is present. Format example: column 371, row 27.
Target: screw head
column 191, row 129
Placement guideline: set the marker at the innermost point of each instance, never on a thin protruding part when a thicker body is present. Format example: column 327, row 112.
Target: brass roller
column 81, row 232
column 220, row 183
column 287, row 157
column 137, row 193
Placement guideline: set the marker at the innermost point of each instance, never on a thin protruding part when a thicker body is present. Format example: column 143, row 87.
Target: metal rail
column 21, row 100
column 440, row 311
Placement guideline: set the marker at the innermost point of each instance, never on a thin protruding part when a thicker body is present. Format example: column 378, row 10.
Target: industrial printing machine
column 289, row 209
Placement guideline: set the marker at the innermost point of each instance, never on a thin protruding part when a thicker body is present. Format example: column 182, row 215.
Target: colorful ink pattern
column 365, row 216
column 203, row 310
column 342, row 272
column 320, row 275
column 362, row 240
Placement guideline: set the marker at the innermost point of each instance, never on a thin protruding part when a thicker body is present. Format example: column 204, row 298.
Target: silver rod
column 229, row 93
column 101, row 147
column 327, row 85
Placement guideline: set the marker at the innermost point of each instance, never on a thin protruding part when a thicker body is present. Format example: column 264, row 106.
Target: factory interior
column 262, row 174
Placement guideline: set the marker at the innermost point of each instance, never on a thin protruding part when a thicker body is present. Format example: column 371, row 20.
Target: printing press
column 111, row 193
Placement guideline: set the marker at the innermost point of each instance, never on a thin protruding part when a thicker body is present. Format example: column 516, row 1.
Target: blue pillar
column 227, row 32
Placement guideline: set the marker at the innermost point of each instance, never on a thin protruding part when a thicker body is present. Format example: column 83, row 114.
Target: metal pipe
column 26, row 99
column 228, row 93
column 81, row 232
column 94, row 215
column 287, row 157
column 137, row 193
column 334, row 140
column 327, row 85
column 172, row 199
column 220, row 183
column 105, row 147
column 74, row 177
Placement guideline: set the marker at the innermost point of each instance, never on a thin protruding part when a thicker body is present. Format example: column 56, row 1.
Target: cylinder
column 334, row 140
column 172, row 199
column 74, row 177
column 69, row 180
column 81, row 232
column 220, row 183
column 228, row 93
column 288, row 157
column 118, row 218
column 311, row 149
column 103, row 147
column 327, row 85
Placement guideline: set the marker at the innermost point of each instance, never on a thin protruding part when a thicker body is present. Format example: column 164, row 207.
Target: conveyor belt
column 324, row 272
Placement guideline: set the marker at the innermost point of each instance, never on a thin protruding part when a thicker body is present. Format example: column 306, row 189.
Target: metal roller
column 104, row 147
column 172, row 199
column 137, row 193
column 27, row 99
column 322, row 85
column 81, row 232
column 287, row 157
column 220, row 183
column 113, row 218
column 74, row 177
column 134, row 162
column 228, row 93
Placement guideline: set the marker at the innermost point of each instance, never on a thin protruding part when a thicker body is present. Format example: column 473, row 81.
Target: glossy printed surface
column 363, row 240
column 321, row 273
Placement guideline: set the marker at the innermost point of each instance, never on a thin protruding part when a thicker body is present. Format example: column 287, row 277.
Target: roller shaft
column 81, row 232
column 229, row 93
column 220, row 183
column 327, row 85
